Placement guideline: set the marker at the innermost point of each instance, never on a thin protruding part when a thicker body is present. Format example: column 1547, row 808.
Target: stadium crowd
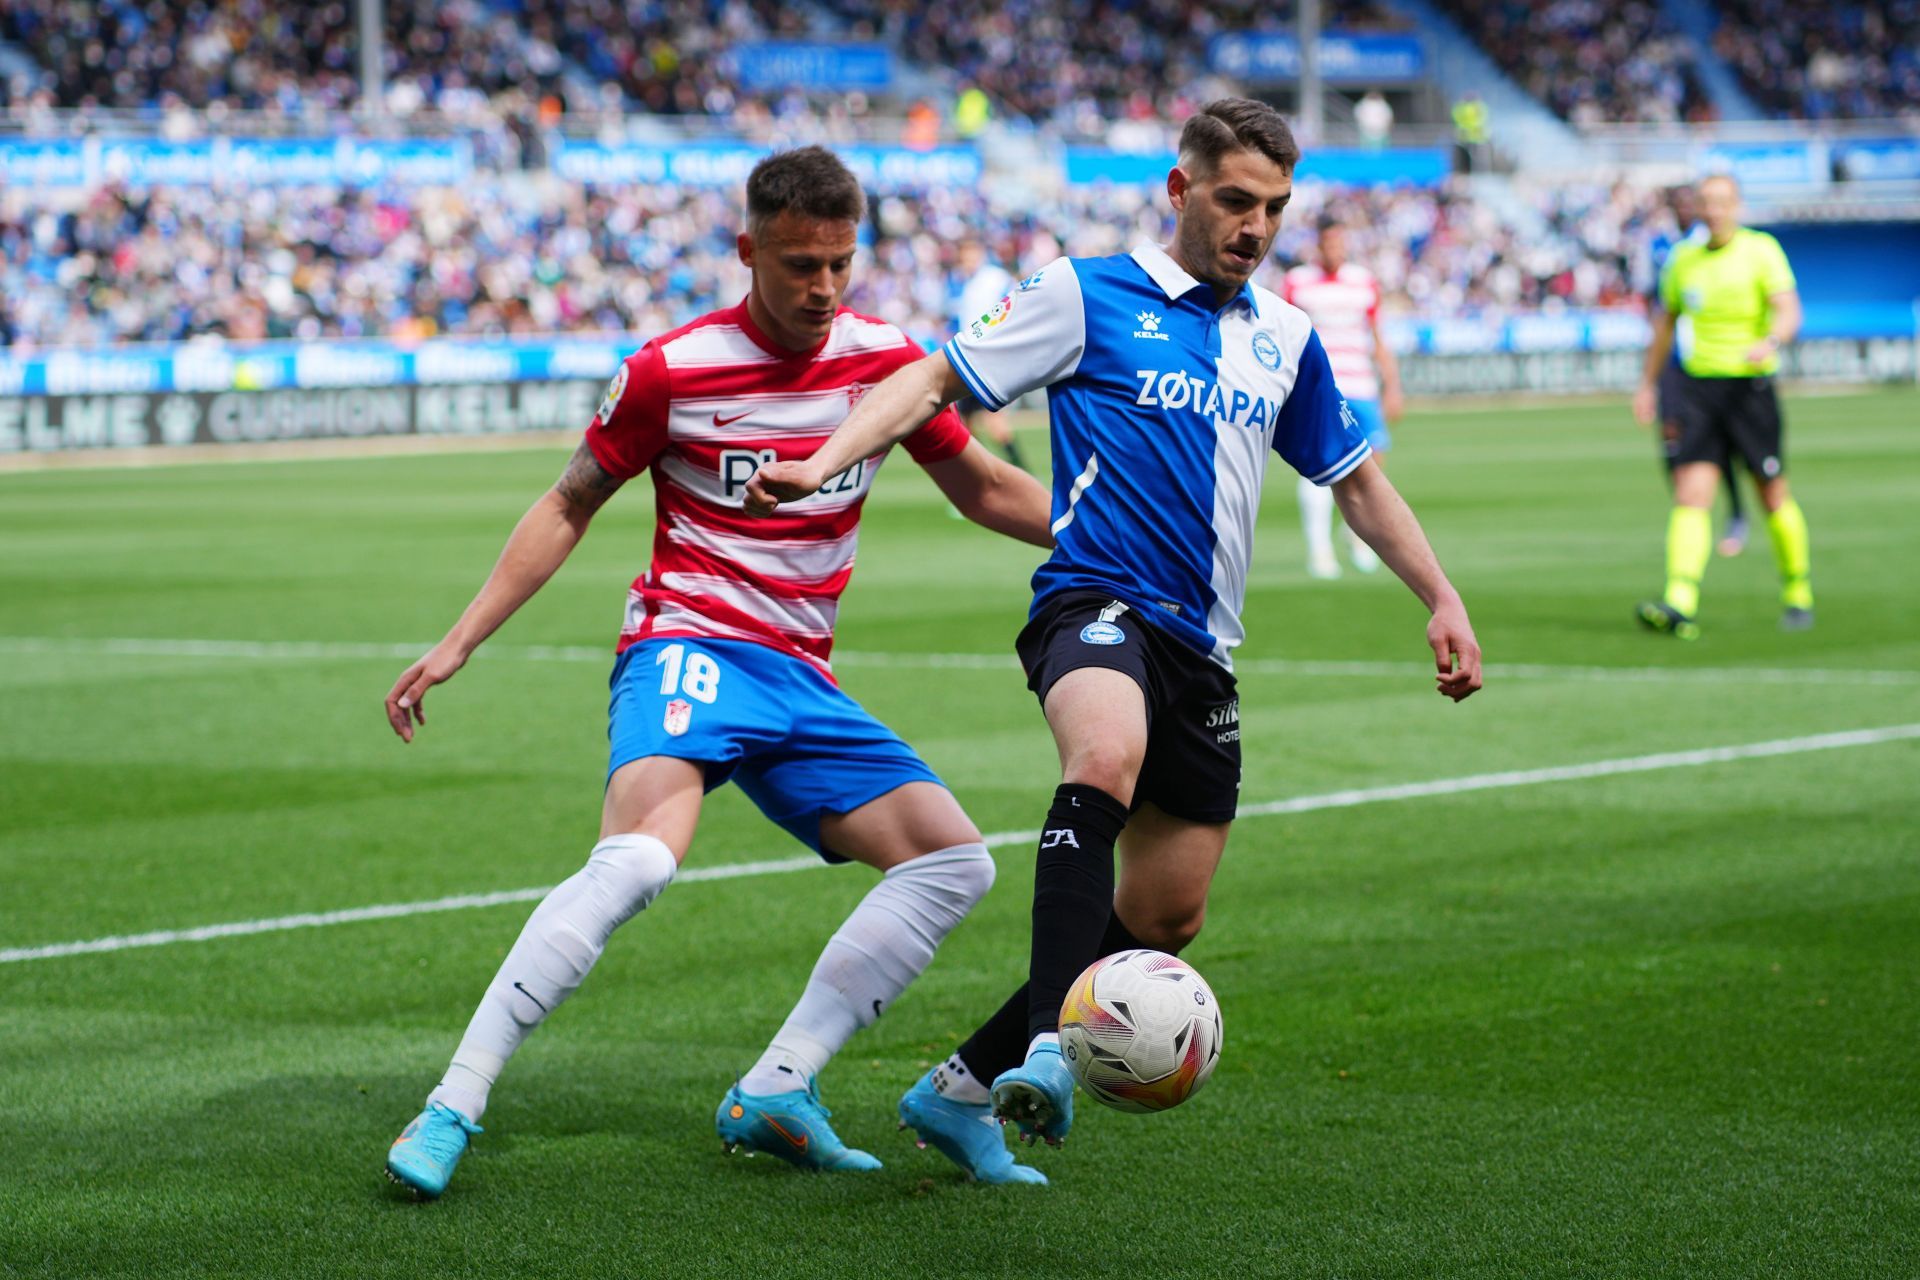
column 1591, row 61
column 528, row 256
column 1822, row 61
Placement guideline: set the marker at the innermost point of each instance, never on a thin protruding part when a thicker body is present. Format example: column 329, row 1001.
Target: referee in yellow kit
column 1736, row 288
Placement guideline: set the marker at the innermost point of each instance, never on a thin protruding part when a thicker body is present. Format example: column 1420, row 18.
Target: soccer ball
column 1140, row 1031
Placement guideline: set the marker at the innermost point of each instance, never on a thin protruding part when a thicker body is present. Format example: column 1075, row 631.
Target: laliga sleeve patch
column 679, row 716
column 615, row 389
column 998, row 315
column 1102, row 633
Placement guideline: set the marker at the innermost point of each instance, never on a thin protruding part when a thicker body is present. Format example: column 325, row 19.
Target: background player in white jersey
column 1169, row 377
column 1342, row 299
column 980, row 284
column 722, row 671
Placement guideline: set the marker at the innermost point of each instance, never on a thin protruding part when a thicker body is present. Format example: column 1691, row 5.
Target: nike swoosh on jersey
column 719, row 421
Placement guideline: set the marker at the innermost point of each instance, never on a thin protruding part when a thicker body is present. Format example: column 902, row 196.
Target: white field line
column 602, row 655
column 776, row 866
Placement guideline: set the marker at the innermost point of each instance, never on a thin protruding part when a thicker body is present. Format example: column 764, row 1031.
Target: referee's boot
column 1659, row 616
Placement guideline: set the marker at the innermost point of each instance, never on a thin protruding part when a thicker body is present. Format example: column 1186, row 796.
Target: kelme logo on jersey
column 1102, row 633
column 615, row 389
column 1031, row 282
column 1149, row 323
column 1177, row 390
column 1266, row 350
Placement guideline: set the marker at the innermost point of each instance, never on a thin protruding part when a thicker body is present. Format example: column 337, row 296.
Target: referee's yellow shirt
column 1724, row 293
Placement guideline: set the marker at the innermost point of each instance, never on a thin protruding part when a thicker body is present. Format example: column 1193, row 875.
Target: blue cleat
column 792, row 1126
column 427, row 1151
column 1037, row 1096
column 965, row 1133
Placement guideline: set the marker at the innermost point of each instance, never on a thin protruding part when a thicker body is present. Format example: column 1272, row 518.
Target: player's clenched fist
column 779, row 482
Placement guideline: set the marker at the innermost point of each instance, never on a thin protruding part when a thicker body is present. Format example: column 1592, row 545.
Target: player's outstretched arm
column 1374, row 509
column 539, row 545
column 995, row 494
column 886, row 415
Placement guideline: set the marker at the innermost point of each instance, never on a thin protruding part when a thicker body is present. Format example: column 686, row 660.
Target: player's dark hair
column 809, row 181
column 1328, row 222
column 1226, row 125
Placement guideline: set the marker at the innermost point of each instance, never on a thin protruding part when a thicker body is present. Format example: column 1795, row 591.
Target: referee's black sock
column 1072, row 895
column 1001, row 1041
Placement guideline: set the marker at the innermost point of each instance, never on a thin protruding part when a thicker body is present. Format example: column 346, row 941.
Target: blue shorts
column 796, row 744
column 1373, row 422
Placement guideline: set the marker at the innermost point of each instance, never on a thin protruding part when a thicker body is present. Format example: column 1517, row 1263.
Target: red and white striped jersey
column 702, row 408
column 1343, row 307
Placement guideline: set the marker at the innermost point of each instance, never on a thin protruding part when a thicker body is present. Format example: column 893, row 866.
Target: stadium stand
column 518, row 256
column 1592, row 61
column 1825, row 61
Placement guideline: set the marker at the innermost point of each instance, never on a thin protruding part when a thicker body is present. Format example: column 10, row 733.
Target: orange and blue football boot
column 427, row 1151
column 965, row 1133
column 792, row 1126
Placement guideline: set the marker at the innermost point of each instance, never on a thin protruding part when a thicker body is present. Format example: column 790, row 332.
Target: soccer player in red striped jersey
column 1342, row 299
column 723, row 669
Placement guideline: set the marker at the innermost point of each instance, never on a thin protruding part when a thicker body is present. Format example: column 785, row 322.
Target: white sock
column 562, row 939
column 951, row 1079
column 1316, row 518
column 1363, row 556
column 1044, row 1038
column 883, row 946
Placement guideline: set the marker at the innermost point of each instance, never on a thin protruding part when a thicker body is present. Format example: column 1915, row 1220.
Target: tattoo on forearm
column 586, row 483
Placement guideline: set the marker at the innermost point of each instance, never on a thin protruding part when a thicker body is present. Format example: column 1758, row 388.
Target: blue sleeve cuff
column 975, row 383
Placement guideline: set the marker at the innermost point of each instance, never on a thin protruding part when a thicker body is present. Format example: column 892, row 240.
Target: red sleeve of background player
column 1373, row 307
column 630, row 429
column 944, row 436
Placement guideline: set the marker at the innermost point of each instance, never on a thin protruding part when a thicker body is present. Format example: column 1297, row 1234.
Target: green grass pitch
column 1656, row 1024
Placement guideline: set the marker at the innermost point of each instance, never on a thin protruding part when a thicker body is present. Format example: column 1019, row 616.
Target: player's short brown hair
column 1226, row 125
column 810, row 181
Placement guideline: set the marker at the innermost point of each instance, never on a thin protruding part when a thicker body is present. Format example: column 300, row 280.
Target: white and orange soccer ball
column 1140, row 1031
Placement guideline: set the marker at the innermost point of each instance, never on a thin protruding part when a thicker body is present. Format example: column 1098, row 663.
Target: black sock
column 1072, row 895
column 1013, row 453
column 1001, row 1042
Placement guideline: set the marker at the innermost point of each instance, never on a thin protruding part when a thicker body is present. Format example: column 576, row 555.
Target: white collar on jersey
column 1174, row 280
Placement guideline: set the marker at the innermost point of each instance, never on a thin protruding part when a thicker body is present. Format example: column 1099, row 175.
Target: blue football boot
column 427, row 1151
column 1037, row 1096
column 965, row 1133
column 792, row 1126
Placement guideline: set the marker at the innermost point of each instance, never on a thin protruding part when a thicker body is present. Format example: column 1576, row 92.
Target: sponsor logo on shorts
column 1266, row 350
column 1226, row 719
column 1770, row 467
column 1102, row 633
column 679, row 716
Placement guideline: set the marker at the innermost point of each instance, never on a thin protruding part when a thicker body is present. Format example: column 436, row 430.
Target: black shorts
column 1720, row 417
column 1192, row 767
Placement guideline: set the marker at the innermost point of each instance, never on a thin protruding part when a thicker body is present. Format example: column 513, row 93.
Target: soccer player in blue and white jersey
column 1171, row 380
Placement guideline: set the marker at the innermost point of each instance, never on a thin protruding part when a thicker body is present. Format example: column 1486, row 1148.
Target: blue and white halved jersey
column 1165, row 407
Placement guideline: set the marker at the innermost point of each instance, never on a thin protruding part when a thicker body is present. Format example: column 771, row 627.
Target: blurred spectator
column 528, row 255
column 1373, row 115
column 1822, row 61
column 1591, row 61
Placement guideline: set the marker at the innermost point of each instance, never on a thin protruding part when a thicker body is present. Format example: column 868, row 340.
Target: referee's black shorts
column 1192, row 766
column 1719, row 417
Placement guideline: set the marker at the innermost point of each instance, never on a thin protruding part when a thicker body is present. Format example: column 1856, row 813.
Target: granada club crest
column 855, row 390
column 679, row 716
